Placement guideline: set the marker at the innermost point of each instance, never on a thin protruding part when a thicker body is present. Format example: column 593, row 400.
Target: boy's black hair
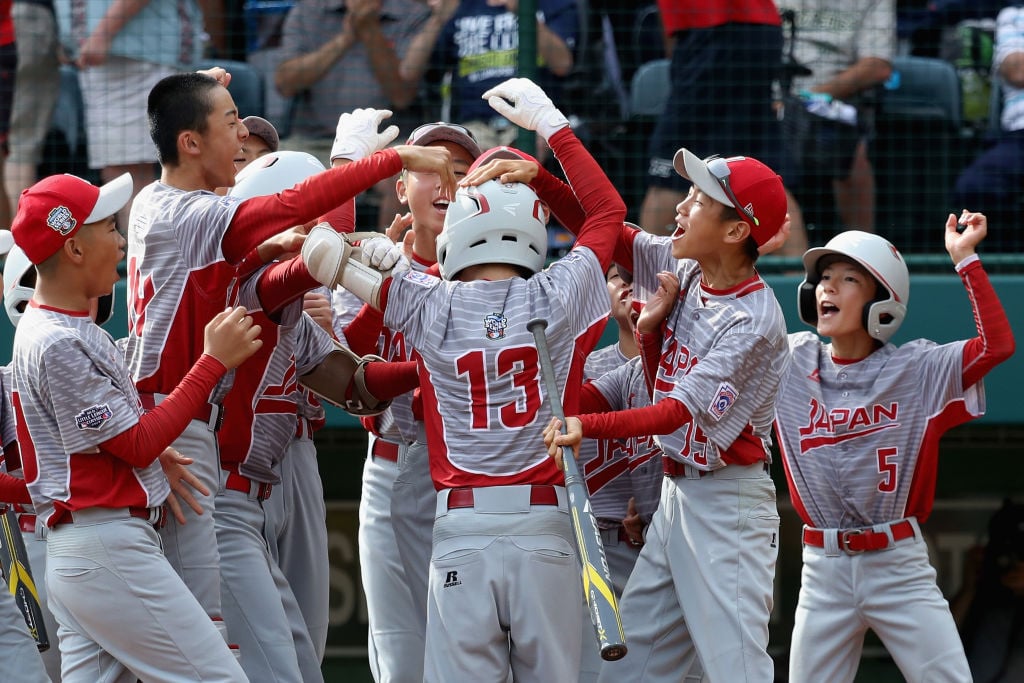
column 176, row 103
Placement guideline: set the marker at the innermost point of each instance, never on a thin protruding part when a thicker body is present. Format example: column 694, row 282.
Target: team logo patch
column 724, row 399
column 495, row 325
column 93, row 417
column 61, row 220
column 418, row 278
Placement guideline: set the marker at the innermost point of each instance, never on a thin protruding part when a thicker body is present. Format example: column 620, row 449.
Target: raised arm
column 995, row 342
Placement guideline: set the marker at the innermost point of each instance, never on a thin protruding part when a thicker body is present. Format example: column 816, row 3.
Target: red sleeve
column 13, row 489
column 592, row 400
column 664, row 417
column 258, row 218
column 387, row 380
column 995, row 342
column 282, row 283
column 142, row 444
column 560, row 199
column 342, row 218
column 249, row 265
column 650, row 356
column 604, row 207
column 362, row 334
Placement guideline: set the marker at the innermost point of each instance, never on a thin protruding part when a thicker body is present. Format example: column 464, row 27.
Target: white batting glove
column 358, row 135
column 381, row 253
column 525, row 104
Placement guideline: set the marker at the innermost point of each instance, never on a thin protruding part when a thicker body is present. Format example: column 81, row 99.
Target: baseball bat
column 597, row 581
column 18, row 577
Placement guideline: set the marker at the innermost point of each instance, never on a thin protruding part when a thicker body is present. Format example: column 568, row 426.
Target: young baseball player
column 713, row 342
column 183, row 244
column 503, row 586
column 398, row 501
column 859, row 421
column 90, row 454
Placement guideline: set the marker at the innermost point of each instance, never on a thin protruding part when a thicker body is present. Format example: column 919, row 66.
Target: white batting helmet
column 19, row 283
column 493, row 223
column 274, row 172
column 883, row 316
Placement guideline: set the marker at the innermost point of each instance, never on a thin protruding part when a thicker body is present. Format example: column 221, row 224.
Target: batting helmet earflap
column 19, row 283
column 883, row 316
column 273, row 173
column 493, row 223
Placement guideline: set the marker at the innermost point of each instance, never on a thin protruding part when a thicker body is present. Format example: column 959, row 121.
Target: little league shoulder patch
column 418, row 278
column 723, row 400
column 93, row 417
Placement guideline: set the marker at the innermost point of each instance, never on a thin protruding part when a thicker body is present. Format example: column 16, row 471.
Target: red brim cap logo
column 61, row 220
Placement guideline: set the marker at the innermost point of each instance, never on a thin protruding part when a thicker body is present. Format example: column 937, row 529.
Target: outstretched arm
column 995, row 342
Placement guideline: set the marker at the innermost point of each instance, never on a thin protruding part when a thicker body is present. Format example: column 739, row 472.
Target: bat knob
column 611, row 653
column 537, row 323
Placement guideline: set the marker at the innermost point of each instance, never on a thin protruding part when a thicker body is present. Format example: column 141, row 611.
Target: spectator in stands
column 122, row 49
column 35, row 92
column 340, row 55
column 725, row 56
column 263, row 139
column 992, row 183
column 477, row 43
column 848, row 46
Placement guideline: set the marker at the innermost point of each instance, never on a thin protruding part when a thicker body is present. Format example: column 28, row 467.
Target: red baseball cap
column 55, row 208
column 501, row 153
column 441, row 131
column 757, row 190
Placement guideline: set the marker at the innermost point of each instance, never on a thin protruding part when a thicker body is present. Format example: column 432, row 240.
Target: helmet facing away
column 273, row 173
column 493, row 223
column 883, row 316
column 19, row 283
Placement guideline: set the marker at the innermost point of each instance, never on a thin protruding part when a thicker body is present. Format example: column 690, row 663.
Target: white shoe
column 325, row 252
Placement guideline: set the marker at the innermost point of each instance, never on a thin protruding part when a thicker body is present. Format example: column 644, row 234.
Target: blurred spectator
column 122, row 48
column 848, row 46
column 990, row 606
column 35, row 92
column 477, row 43
column 920, row 23
column 725, row 56
column 340, row 55
column 8, row 66
column 992, row 183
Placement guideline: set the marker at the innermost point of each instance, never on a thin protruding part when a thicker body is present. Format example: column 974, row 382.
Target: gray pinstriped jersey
column 723, row 357
column 483, row 395
column 625, row 387
column 75, row 393
column 860, row 440
column 173, row 237
column 8, row 426
column 604, row 462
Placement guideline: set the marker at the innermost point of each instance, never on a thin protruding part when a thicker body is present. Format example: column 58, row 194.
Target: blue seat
column 924, row 88
column 648, row 91
column 246, row 85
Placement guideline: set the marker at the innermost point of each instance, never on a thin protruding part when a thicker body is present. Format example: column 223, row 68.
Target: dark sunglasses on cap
column 719, row 168
column 420, row 131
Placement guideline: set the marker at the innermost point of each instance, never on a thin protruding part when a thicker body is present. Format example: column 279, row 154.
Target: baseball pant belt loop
column 869, row 539
column 250, row 487
column 210, row 413
column 386, row 450
column 618, row 535
column 156, row 516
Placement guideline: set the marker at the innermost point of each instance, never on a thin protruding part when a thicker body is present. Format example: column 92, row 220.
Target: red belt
column 674, row 468
column 210, row 413
column 27, row 522
column 859, row 540
column 462, row 497
column 243, row 484
column 147, row 514
column 386, row 450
